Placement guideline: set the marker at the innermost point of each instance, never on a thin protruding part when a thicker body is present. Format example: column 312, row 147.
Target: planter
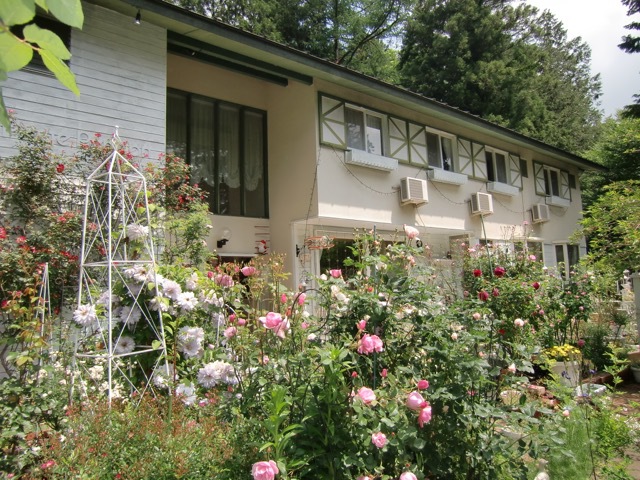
column 568, row 372
column 635, row 370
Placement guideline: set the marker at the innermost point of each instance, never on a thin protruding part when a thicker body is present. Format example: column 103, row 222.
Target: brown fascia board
column 281, row 57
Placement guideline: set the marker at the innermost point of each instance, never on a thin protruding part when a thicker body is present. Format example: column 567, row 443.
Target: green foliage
column 132, row 442
column 31, row 409
column 353, row 34
column 618, row 151
column 510, row 65
column 16, row 52
column 611, row 225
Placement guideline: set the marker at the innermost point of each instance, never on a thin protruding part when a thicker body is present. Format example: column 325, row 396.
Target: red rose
column 535, row 285
column 482, row 295
column 60, row 168
column 477, row 272
column 495, row 292
column 499, row 271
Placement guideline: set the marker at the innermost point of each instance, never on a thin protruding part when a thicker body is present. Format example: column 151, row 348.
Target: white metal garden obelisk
column 122, row 341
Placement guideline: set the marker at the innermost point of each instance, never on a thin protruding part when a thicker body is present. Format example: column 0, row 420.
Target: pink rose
column 425, row 416
column 495, row 292
column 482, row 295
column 242, row 322
column 366, row 395
column 264, row 470
column 518, row 322
column 335, row 273
column 512, row 368
column 379, row 439
column 384, row 373
column 411, row 232
column 362, row 324
column 423, row 384
column 301, row 298
column 283, row 298
column 408, row 476
column 271, row 321
column 369, row 344
column 230, row 332
column 248, row 271
column 224, row 280
column 415, row 401
column 476, row 316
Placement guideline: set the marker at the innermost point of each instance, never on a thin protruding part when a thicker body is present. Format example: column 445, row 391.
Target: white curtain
column 202, row 147
column 253, row 150
column 229, row 151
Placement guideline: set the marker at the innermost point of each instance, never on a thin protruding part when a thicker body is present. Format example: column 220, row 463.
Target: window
column 36, row 65
column 225, row 144
column 552, row 181
column 496, row 166
column 567, row 255
column 364, row 131
column 439, row 151
column 572, row 181
column 524, row 170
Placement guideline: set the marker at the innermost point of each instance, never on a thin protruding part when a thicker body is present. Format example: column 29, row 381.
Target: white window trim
column 383, row 120
column 454, row 153
column 507, row 172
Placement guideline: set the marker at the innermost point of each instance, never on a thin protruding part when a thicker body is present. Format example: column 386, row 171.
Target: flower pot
column 568, row 372
column 636, row 373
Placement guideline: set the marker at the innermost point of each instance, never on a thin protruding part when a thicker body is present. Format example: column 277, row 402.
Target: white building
column 291, row 147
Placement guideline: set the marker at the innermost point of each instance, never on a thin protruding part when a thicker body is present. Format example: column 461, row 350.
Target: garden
column 190, row 368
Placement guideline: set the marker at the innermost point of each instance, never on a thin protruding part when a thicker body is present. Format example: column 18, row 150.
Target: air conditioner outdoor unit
column 481, row 203
column 540, row 213
column 413, row 190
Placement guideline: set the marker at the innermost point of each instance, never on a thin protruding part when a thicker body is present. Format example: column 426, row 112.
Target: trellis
column 121, row 348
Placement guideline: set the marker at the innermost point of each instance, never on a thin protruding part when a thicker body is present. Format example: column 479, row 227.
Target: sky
column 601, row 23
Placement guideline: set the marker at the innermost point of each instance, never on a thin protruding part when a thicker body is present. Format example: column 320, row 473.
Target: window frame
column 214, row 199
column 366, row 113
column 441, row 136
column 548, row 184
column 492, row 170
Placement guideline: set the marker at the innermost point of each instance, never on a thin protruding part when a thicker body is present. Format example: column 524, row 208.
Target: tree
column 631, row 44
column 510, row 65
column 355, row 34
column 612, row 225
column 16, row 51
column 617, row 149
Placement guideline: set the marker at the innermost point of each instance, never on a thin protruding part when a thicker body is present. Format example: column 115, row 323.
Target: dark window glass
column 355, row 128
column 501, row 168
column 572, row 181
column 433, row 150
column 524, row 171
column 226, row 146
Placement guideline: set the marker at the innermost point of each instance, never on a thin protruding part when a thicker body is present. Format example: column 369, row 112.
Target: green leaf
column 67, row 11
column 4, row 116
column 48, row 40
column 17, row 12
column 14, row 54
column 60, row 70
column 42, row 4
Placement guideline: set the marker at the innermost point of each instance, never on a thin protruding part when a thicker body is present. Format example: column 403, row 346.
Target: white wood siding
column 120, row 69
